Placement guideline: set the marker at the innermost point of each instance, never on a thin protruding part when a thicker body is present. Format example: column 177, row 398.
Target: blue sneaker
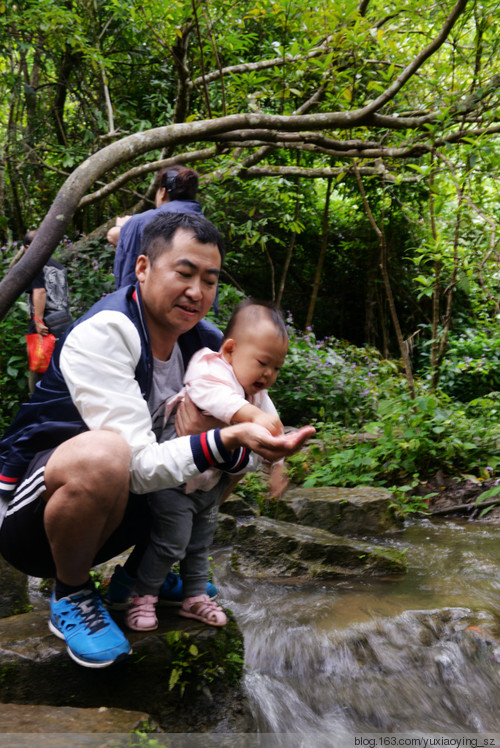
column 120, row 590
column 92, row 638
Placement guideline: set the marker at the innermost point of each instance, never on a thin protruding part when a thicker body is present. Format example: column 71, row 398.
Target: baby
column 230, row 385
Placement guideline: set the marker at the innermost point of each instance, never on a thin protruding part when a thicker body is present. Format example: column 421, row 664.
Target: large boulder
column 344, row 511
column 13, row 590
column 182, row 663
column 270, row 548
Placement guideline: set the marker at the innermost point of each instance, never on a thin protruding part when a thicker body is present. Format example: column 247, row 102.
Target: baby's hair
column 256, row 309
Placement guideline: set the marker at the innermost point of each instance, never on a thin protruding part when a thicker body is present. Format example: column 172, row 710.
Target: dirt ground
column 454, row 497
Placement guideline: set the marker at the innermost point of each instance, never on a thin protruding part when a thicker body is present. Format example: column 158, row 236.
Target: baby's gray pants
column 183, row 527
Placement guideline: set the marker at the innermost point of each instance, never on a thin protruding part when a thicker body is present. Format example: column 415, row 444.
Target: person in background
column 176, row 189
column 48, row 302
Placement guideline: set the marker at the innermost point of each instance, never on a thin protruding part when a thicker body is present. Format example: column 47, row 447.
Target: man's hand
column 190, row 420
column 259, row 440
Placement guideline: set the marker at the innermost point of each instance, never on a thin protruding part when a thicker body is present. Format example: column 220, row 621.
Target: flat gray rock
column 266, row 548
column 344, row 511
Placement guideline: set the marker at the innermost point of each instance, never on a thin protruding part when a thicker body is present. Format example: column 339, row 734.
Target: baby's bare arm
column 278, row 480
column 255, row 415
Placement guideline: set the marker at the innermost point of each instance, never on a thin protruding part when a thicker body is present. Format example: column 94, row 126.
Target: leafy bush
column 228, row 298
column 90, row 273
column 327, row 380
column 471, row 366
column 13, row 362
column 89, row 277
column 408, row 441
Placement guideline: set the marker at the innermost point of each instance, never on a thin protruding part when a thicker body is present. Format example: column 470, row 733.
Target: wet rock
column 270, row 548
column 225, row 530
column 35, row 669
column 13, row 590
column 27, row 718
column 235, row 506
column 345, row 511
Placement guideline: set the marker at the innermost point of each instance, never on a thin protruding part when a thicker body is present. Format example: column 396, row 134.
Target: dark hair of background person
column 179, row 182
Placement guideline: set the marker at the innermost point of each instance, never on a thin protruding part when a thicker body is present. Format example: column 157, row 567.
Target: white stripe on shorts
column 28, row 491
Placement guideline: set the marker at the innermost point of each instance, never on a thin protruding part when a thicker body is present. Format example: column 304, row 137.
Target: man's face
column 179, row 288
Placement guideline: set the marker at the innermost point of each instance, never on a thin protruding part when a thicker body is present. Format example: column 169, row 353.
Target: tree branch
column 416, row 63
column 139, row 171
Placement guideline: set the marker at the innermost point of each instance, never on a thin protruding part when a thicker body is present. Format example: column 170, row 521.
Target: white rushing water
column 391, row 656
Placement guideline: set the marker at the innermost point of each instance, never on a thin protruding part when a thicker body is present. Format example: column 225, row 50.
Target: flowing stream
column 413, row 654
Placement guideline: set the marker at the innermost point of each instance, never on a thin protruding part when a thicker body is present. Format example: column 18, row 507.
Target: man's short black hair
column 161, row 231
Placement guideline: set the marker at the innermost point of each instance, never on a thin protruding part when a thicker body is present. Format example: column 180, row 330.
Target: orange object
column 40, row 349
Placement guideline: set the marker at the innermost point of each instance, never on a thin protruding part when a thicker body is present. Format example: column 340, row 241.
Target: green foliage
column 491, row 493
column 408, row 441
column 327, row 380
column 78, row 75
column 228, row 298
column 89, row 277
column 471, row 366
column 90, row 273
column 139, row 739
column 195, row 668
column 405, row 502
column 13, row 362
column 254, row 489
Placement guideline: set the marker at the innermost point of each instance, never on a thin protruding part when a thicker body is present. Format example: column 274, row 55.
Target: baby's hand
column 270, row 422
column 252, row 413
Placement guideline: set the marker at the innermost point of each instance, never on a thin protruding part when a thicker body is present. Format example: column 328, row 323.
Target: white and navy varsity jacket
column 100, row 377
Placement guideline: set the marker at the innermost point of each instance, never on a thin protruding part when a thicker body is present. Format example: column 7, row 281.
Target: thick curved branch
column 249, row 67
column 378, row 170
column 190, row 157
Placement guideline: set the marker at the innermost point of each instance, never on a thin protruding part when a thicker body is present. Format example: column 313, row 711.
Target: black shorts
column 23, row 542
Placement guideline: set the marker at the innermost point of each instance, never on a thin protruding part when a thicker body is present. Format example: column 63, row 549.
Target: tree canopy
column 384, row 108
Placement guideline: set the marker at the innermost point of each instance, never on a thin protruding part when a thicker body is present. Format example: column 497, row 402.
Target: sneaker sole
column 86, row 663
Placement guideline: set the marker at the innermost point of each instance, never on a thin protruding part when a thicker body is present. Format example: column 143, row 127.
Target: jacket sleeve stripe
column 209, row 451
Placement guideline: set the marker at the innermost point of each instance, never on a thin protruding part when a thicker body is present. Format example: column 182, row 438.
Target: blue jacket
column 129, row 243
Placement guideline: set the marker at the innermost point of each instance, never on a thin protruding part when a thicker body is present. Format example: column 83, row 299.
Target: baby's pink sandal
column 141, row 616
column 203, row 609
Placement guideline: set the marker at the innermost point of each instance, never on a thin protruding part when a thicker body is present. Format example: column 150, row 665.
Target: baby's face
column 256, row 356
